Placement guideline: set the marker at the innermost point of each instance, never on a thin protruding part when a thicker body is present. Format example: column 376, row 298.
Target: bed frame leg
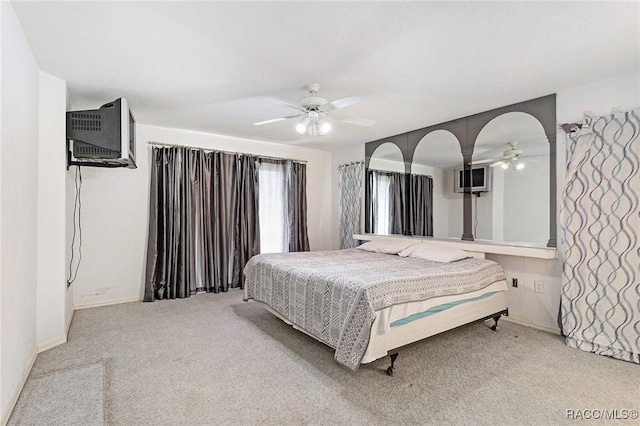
column 494, row 327
column 393, row 360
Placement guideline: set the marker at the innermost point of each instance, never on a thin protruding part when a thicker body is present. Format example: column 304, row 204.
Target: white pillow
column 434, row 253
column 387, row 246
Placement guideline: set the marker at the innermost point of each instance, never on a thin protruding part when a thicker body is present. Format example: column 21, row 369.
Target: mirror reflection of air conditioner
column 478, row 179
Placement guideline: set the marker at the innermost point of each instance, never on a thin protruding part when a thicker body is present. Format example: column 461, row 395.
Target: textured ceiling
column 207, row 66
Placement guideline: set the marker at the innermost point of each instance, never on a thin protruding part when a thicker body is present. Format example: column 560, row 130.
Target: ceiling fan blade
column 340, row 103
column 275, row 120
column 352, row 120
column 289, row 104
column 532, row 158
column 490, row 160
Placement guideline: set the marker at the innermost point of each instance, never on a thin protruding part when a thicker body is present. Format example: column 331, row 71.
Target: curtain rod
column 570, row 127
column 351, row 162
column 400, row 173
column 168, row 145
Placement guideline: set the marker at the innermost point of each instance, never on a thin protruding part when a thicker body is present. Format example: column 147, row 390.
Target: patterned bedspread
column 333, row 295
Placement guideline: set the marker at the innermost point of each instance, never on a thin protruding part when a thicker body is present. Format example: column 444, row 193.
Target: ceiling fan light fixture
column 519, row 165
column 314, row 111
column 302, row 126
column 504, row 165
column 324, row 127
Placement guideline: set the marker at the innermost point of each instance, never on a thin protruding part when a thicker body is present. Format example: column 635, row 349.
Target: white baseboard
column 107, row 302
column 56, row 341
column 16, row 393
column 553, row 330
column 69, row 319
column 52, row 343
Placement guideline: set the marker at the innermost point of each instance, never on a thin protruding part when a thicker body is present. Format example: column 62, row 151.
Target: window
column 272, row 208
column 382, row 193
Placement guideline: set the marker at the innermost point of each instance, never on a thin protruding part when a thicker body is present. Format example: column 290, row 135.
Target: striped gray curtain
column 397, row 202
column 600, row 222
column 421, row 205
column 247, row 242
column 296, row 184
column 350, row 185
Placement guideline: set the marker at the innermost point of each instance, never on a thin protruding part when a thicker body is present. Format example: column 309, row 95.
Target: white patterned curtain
column 600, row 222
column 350, row 187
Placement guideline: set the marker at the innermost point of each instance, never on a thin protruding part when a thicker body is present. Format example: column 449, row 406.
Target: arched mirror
column 386, row 190
column 513, row 151
column 433, row 198
column 387, row 157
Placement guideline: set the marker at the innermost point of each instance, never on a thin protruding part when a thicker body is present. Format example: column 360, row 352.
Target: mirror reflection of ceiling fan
column 316, row 113
column 511, row 158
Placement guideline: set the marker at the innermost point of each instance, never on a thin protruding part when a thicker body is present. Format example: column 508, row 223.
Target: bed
column 367, row 305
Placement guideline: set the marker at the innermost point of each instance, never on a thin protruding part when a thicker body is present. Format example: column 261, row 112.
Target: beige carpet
column 73, row 395
column 214, row 359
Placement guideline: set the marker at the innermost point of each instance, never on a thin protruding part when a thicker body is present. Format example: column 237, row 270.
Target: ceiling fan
column 316, row 112
column 510, row 158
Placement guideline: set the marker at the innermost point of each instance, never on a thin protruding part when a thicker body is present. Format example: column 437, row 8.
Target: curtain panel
column 248, row 236
column 296, row 184
column 421, row 208
column 350, row 186
column 203, row 223
column 600, row 239
column 397, row 202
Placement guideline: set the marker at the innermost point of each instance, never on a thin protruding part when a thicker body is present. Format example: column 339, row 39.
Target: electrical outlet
column 538, row 286
column 514, row 282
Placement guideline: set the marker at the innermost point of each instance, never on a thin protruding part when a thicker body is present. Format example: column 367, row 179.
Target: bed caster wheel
column 494, row 327
column 393, row 360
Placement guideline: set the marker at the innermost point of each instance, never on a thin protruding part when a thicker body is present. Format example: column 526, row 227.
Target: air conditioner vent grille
column 84, row 151
column 86, row 122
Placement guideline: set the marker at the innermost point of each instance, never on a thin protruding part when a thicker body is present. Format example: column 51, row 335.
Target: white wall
column 387, row 165
column 455, row 204
column 115, row 205
column 516, row 197
column 69, row 191
column 498, row 198
column 52, row 290
column 482, row 212
column 526, row 200
column 18, row 209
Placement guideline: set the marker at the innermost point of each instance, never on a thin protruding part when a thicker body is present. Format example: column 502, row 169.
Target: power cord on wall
column 77, row 207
